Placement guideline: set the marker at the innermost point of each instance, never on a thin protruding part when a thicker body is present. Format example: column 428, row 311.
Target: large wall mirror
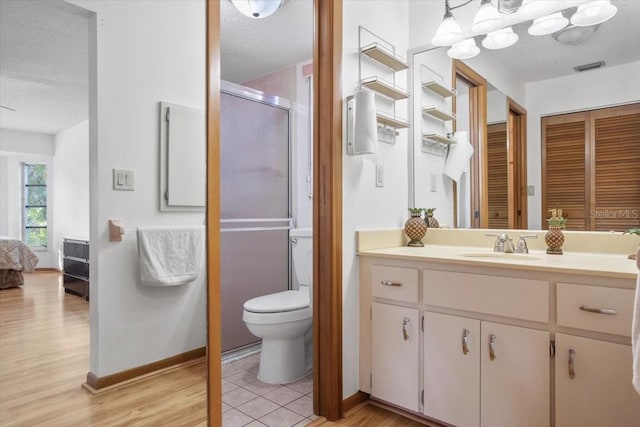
column 526, row 161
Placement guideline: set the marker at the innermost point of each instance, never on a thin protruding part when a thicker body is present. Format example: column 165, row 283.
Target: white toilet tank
column 302, row 254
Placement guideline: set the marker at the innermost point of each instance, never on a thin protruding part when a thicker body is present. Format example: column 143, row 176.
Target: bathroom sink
column 523, row 257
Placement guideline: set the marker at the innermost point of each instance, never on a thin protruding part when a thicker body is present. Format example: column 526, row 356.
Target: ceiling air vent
column 587, row 67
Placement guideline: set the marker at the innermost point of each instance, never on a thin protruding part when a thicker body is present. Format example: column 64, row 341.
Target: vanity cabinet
column 395, row 348
column 474, row 345
column 479, row 373
column 593, row 383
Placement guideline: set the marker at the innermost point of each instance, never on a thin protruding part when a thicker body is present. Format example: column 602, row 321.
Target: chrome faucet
column 503, row 243
column 522, row 248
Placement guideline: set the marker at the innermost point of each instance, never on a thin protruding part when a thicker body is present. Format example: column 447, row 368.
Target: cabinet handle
column 405, row 328
column 572, row 358
column 390, row 283
column 609, row 311
column 465, row 341
column 492, row 344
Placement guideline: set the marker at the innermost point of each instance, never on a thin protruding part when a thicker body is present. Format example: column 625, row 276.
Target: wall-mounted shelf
column 438, row 113
column 384, row 56
column 439, row 88
column 393, row 122
column 385, row 88
column 441, row 139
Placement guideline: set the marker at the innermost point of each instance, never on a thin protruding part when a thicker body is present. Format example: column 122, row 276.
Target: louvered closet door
column 565, row 168
column 616, row 164
column 498, row 177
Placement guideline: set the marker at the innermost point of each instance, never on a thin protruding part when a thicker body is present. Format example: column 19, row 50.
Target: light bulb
column 486, row 19
column 257, row 9
column 593, row 13
column 464, row 50
column 448, row 33
column 548, row 24
column 500, row 39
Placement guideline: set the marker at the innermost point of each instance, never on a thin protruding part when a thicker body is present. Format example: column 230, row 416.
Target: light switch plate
column 379, row 176
column 433, row 183
column 531, row 190
column 123, row 180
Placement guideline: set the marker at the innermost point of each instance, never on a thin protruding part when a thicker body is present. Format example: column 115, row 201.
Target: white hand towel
column 635, row 331
column 170, row 255
column 366, row 126
column 459, row 156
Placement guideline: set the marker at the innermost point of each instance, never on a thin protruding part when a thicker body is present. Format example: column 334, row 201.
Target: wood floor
column 44, row 359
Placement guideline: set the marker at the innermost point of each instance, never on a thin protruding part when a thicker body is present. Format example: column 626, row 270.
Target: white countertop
column 585, row 263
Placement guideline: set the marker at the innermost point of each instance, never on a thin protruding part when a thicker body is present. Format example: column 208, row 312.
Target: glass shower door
column 255, row 207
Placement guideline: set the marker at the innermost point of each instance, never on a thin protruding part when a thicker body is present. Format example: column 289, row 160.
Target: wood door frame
column 327, row 211
column 517, row 152
column 478, row 138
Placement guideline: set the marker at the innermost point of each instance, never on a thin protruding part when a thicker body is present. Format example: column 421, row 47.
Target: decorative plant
column 557, row 220
column 635, row 230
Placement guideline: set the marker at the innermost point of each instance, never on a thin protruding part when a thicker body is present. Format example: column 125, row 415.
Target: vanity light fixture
column 548, row 24
column 593, row 13
column 500, row 39
column 531, row 9
column 449, row 31
column 486, row 19
column 257, row 9
column 465, row 49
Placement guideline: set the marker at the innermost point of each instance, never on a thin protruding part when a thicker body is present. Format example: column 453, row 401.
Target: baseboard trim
column 354, row 400
column 97, row 384
column 48, row 270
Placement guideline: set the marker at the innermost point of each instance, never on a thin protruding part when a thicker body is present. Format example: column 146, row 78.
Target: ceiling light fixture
column 574, row 35
column 500, row 39
column 449, row 31
column 257, row 9
column 593, row 13
column 486, row 19
column 465, row 49
column 548, row 24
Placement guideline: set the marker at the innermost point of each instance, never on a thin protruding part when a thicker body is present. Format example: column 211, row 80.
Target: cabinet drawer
column 76, row 249
column 579, row 306
column 76, row 268
column 501, row 296
column 397, row 283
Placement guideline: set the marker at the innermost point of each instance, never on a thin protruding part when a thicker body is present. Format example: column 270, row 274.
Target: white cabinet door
column 515, row 377
column 452, row 369
column 598, row 391
column 395, row 348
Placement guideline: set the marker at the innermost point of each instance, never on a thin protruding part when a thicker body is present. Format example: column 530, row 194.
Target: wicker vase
column 432, row 222
column 554, row 240
column 415, row 228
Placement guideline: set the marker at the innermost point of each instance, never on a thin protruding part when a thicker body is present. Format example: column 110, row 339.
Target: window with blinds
column 591, row 168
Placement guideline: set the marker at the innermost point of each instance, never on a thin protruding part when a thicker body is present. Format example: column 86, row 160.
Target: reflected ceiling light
column 574, row 35
column 487, row 18
column 257, row 9
column 464, row 50
column 593, row 13
column 500, row 39
column 449, row 32
column 548, row 24
column 532, row 9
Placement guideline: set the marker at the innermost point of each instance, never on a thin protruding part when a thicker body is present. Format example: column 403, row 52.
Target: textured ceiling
column 44, row 57
column 251, row 48
column 43, row 65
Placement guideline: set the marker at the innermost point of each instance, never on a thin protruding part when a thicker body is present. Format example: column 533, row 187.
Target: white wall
column 147, row 52
column 71, row 186
column 364, row 205
column 16, row 148
column 584, row 91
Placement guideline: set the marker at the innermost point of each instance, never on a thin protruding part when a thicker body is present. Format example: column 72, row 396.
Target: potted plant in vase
column 636, row 231
column 415, row 228
column 431, row 220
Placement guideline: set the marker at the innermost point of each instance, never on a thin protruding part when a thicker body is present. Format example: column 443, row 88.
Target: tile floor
column 247, row 401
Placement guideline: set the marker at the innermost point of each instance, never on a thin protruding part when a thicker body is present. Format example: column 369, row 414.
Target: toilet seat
column 279, row 302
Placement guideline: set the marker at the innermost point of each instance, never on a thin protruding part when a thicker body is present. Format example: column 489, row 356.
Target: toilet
column 283, row 320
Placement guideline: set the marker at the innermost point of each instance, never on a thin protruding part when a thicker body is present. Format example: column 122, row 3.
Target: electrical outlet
column 379, row 176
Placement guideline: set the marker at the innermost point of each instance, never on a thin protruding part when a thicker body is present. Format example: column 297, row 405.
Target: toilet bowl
column 283, row 320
